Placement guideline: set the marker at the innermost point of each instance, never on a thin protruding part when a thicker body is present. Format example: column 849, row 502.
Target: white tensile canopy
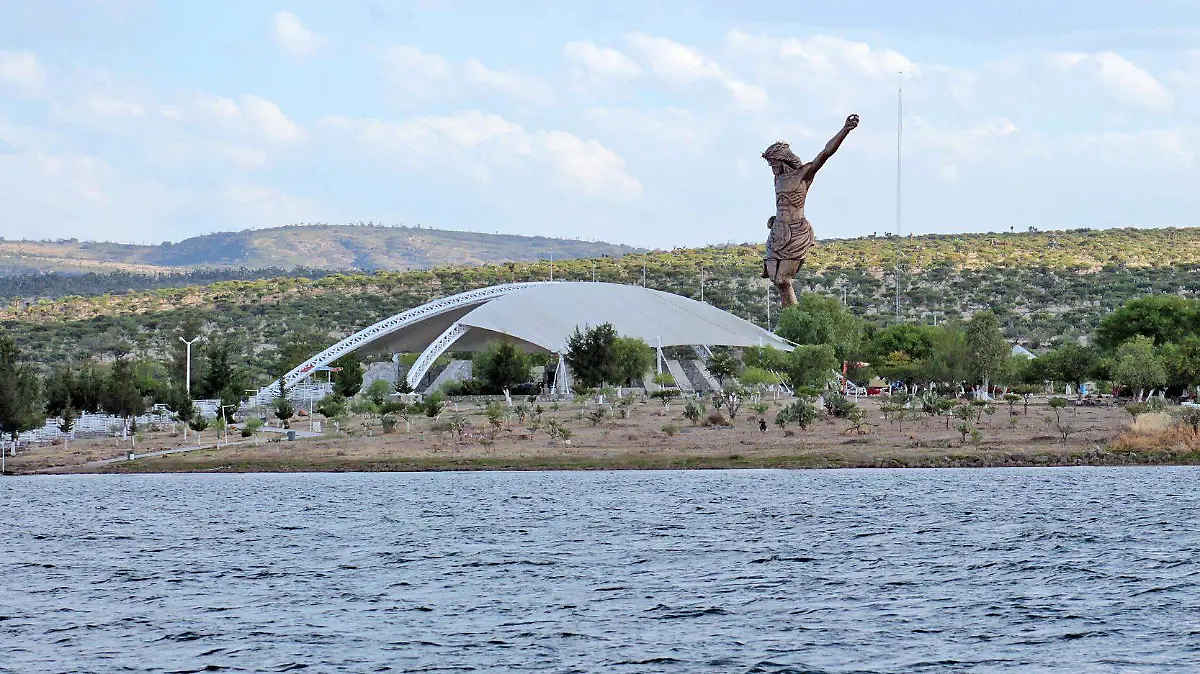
column 540, row 316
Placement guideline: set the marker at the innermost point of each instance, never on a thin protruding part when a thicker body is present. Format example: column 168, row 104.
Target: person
column 762, row 426
column 791, row 235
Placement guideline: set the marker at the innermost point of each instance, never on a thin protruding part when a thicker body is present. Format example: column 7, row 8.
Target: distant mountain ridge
column 364, row 247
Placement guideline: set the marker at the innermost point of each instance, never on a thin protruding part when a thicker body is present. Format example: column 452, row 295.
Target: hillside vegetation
column 363, row 247
column 1046, row 287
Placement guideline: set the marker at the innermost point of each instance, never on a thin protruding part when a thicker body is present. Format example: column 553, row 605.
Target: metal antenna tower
column 899, row 185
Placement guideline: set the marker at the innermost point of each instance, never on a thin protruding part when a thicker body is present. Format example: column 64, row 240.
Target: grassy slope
column 1047, row 287
column 318, row 246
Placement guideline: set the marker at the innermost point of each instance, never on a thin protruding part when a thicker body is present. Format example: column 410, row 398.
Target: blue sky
column 636, row 122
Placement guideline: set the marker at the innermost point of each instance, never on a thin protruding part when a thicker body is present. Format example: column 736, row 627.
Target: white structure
column 539, row 317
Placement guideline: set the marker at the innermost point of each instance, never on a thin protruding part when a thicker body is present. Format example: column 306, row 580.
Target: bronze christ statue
column 791, row 233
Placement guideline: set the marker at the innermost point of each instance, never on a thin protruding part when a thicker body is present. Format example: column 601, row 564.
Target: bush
column 670, row 429
column 333, row 406
column 756, row 376
column 715, row 418
column 693, row 411
column 500, row 365
column 433, row 404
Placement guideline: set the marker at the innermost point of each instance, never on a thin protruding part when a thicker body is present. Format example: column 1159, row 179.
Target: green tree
column 88, row 389
column 812, row 365
column 818, row 319
column 766, row 357
column 121, row 395
column 500, row 365
column 219, row 371
column 914, row 341
column 1162, row 318
column 59, row 387
column 1138, row 365
column 283, row 407
column 20, row 393
column 949, row 361
column 634, row 359
column 987, row 351
column 348, row 380
column 1182, row 362
column 1070, row 363
column 590, row 355
column 724, row 364
column 378, row 392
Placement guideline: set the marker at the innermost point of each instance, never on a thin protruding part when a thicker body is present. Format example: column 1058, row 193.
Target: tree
column 1069, row 363
column 1138, row 365
column 590, row 355
column 987, row 351
column 812, row 365
column 349, row 379
column 500, row 365
column 333, row 406
column 1162, row 318
column 58, row 388
column 378, row 392
column 121, row 395
column 88, row 389
column 724, row 364
column 914, row 341
column 284, row 410
column 1182, row 362
column 20, row 393
column 198, row 423
column 634, row 359
column 949, row 360
column 218, row 372
column 818, row 319
column 766, row 357
column 68, row 421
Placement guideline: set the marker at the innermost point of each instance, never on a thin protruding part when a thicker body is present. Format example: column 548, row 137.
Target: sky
column 633, row 122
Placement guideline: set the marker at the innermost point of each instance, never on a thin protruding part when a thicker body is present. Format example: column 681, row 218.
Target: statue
column 791, row 235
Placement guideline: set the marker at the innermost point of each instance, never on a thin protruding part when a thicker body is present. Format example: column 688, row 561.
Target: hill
column 1047, row 287
column 362, row 247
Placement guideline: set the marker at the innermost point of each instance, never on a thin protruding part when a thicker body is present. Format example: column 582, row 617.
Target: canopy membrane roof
column 541, row 316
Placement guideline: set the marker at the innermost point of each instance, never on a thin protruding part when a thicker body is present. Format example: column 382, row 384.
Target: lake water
column 1024, row 570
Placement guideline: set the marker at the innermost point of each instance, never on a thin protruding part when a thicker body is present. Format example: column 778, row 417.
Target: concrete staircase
column 681, row 380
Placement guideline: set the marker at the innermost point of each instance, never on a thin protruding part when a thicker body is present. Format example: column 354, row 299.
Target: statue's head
column 781, row 158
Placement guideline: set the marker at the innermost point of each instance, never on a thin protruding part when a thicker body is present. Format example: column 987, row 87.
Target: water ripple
column 1015, row 570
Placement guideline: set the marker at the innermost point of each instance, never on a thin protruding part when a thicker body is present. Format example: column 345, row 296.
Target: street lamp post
column 187, row 382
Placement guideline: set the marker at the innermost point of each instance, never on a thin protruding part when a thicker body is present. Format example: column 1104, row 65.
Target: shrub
column 670, row 429
column 693, row 411
column 715, row 418
column 433, row 404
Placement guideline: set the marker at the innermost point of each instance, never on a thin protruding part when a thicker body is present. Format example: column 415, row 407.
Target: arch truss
column 402, row 320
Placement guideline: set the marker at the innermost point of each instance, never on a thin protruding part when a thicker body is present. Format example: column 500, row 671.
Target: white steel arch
column 433, row 351
column 402, row 320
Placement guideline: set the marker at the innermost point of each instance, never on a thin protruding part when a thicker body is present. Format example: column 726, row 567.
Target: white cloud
column 682, row 65
column 269, row 120
column 112, row 107
column 676, row 129
column 520, row 87
column 476, row 141
column 1146, row 147
column 21, row 70
column 412, row 70
column 292, row 36
column 256, row 116
column 268, row 206
column 605, row 62
column 1124, row 80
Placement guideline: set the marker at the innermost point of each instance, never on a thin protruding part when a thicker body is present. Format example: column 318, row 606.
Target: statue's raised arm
column 832, row 146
